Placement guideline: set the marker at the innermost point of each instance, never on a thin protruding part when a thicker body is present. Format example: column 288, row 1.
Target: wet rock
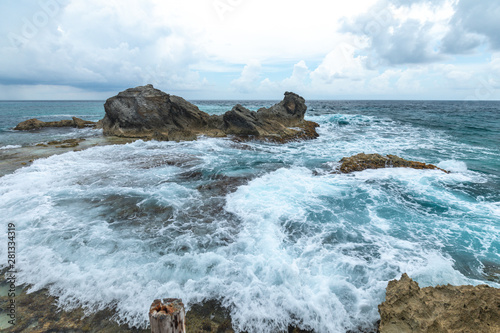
column 409, row 308
column 209, row 316
column 223, row 185
column 32, row 124
column 364, row 161
column 37, row 312
column 69, row 143
column 148, row 113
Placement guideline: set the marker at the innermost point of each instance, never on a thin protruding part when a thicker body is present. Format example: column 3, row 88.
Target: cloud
column 473, row 22
column 101, row 46
column 401, row 32
column 341, row 63
column 249, row 78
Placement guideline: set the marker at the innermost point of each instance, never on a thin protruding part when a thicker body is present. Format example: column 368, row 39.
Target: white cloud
column 249, row 78
column 364, row 48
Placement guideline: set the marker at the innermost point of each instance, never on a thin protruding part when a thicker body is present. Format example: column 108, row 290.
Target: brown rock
column 364, row 161
column 80, row 123
column 32, row 124
column 441, row 309
column 29, row 124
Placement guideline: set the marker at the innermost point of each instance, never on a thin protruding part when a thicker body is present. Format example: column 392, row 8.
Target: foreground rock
column 146, row 112
column 409, row 308
column 32, row 124
column 364, row 161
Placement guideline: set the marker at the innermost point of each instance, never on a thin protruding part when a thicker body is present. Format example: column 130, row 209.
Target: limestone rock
column 364, row 161
column 29, row 124
column 32, row 124
column 442, row 309
column 146, row 112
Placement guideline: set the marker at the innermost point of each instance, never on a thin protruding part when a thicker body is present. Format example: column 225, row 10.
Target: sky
column 251, row 49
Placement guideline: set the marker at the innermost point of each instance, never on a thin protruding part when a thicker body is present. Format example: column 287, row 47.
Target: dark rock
column 223, row 185
column 148, row 113
column 364, row 161
column 409, row 308
column 32, row 124
column 241, row 121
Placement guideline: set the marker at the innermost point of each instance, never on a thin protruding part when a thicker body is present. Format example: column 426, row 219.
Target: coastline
column 20, row 157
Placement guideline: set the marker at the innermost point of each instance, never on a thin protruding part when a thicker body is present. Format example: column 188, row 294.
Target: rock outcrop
column 146, row 112
column 364, row 161
column 441, row 309
column 32, row 124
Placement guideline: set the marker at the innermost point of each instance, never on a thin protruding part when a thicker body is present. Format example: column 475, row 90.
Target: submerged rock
column 364, row 161
column 148, row 113
column 32, row 124
column 409, row 308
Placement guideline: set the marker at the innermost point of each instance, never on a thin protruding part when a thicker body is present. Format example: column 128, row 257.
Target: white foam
column 10, row 147
column 453, row 166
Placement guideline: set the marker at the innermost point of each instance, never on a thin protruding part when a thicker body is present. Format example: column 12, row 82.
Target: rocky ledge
column 364, row 161
column 409, row 308
column 148, row 113
column 32, row 124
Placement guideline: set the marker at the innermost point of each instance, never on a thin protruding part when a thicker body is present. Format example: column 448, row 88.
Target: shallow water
column 269, row 230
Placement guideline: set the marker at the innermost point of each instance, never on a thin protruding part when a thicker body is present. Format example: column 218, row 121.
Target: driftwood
column 167, row 316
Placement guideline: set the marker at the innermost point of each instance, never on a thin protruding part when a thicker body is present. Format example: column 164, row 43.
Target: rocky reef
column 32, row 124
column 364, row 161
column 148, row 113
column 443, row 309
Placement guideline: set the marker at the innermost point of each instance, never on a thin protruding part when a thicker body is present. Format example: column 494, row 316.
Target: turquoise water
column 266, row 229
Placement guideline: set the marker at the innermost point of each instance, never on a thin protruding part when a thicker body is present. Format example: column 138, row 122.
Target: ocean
column 269, row 230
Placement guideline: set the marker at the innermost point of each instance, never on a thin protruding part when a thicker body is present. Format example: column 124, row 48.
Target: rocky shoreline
column 147, row 113
column 406, row 309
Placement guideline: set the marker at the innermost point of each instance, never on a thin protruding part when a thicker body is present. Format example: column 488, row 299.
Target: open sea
column 269, row 230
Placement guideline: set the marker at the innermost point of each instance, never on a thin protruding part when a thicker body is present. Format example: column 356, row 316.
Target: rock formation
column 443, row 309
column 364, row 161
column 34, row 123
column 146, row 112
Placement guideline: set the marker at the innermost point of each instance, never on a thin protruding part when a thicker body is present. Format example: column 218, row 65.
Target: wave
column 10, row 147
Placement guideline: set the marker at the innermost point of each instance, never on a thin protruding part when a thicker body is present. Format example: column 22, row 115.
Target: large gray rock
column 146, row 112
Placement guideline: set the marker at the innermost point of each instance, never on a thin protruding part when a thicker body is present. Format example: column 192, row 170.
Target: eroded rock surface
column 441, row 309
column 32, row 124
column 364, row 161
column 146, row 112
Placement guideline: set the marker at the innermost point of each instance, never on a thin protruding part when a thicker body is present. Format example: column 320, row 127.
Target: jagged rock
column 146, row 112
column 443, row 309
column 34, row 123
column 364, row 161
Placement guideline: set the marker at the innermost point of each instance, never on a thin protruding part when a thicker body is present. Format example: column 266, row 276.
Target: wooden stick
column 167, row 316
